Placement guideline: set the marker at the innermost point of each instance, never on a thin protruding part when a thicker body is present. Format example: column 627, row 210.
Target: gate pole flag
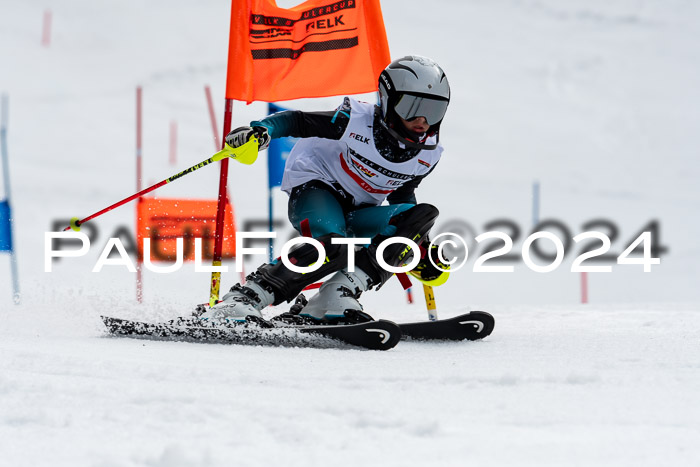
column 317, row 49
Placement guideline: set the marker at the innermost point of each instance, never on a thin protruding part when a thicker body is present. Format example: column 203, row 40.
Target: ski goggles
column 409, row 107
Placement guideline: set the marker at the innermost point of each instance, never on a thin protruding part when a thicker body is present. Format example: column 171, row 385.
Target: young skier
column 348, row 162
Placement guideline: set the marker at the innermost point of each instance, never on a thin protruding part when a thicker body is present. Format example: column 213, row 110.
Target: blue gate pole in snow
column 277, row 154
column 6, row 243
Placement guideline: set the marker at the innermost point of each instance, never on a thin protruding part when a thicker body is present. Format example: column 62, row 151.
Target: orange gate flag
column 317, row 49
column 164, row 220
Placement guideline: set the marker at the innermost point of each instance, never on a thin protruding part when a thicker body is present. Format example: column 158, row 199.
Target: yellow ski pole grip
column 246, row 154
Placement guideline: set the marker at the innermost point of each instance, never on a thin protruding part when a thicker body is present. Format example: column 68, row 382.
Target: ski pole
column 246, row 154
column 430, row 302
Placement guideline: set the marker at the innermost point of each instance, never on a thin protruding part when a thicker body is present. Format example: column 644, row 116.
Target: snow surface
column 596, row 100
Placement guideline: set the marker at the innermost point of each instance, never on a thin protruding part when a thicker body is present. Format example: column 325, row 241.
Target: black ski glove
column 241, row 135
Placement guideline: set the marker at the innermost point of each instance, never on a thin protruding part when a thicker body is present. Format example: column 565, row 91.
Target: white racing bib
column 353, row 161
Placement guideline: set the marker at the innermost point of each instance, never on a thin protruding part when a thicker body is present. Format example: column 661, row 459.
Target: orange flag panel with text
column 316, row 49
column 165, row 220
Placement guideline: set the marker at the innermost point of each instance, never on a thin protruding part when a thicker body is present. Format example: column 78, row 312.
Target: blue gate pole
column 6, row 173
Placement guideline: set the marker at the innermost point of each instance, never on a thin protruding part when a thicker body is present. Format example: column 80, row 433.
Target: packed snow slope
column 597, row 101
column 551, row 386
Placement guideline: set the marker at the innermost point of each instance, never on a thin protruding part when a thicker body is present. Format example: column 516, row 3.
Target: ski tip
column 109, row 320
column 385, row 334
column 482, row 322
column 471, row 326
column 112, row 324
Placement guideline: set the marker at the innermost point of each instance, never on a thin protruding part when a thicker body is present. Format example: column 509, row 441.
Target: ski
column 471, row 326
column 373, row 335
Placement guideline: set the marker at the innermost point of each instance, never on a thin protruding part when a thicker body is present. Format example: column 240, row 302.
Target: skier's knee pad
column 414, row 224
column 287, row 284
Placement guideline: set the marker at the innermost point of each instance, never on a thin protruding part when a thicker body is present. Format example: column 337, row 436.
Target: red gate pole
column 173, row 142
column 212, row 117
column 46, row 29
column 221, row 210
column 217, row 144
column 139, row 266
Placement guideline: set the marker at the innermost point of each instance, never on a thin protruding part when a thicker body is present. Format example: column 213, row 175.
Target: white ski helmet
column 410, row 87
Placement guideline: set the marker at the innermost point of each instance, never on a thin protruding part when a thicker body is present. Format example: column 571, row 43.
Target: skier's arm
column 298, row 124
column 405, row 193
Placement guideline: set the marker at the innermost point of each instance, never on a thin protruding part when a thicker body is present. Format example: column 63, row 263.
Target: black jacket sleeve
column 298, row 124
column 406, row 192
